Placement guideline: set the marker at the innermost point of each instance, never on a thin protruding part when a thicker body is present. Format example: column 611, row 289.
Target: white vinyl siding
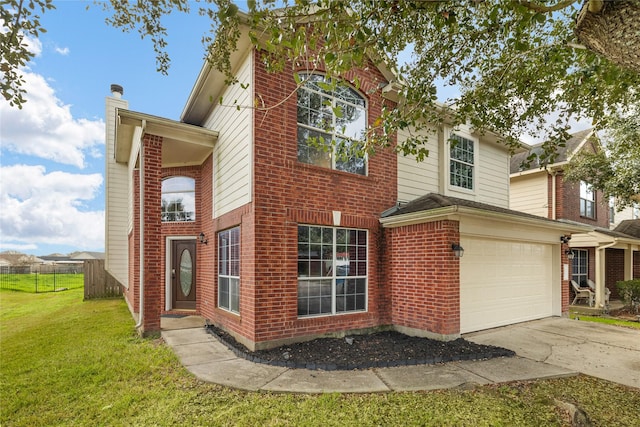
column 491, row 171
column 117, row 202
column 232, row 152
column 415, row 179
column 529, row 193
column 493, row 175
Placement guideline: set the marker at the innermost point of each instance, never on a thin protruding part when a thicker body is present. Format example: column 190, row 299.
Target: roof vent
column 117, row 91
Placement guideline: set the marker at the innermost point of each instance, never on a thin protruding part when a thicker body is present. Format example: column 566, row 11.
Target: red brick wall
column 288, row 193
column 152, row 244
column 614, row 270
column 568, row 199
column 424, row 276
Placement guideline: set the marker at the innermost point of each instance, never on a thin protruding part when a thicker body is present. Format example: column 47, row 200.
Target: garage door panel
column 503, row 282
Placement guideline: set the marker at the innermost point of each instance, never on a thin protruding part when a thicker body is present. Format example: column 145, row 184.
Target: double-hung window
column 587, row 201
column 229, row 270
column 332, row 121
column 332, row 270
column 461, row 162
column 178, row 199
column 580, row 267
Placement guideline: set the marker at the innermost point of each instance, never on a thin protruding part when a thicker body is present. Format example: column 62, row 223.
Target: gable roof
column 564, row 153
column 211, row 83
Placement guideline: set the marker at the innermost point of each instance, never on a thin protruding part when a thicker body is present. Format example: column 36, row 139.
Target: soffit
column 182, row 145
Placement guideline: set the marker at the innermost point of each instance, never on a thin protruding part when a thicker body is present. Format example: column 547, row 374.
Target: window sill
column 326, row 171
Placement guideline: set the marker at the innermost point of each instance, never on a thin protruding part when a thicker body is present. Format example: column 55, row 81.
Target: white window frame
column 578, row 256
column 227, row 273
column 587, row 199
column 450, row 159
column 330, row 268
column 334, row 132
column 190, row 215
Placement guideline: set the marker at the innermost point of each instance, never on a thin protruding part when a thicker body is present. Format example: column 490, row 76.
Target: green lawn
column 68, row 362
column 606, row 320
column 41, row 282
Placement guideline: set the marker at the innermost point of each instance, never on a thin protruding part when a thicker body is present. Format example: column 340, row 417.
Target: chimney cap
column 117, row 91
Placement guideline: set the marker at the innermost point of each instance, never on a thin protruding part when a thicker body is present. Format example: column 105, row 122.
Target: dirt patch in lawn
column 376, row 350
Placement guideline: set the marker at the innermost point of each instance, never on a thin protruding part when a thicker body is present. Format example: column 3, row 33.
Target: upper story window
column 461, row 162
column 636, row 211
column 178, row 199
column 587, row 201
column 326, row 113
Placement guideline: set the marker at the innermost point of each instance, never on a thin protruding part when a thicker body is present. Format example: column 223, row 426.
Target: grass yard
column 68, row 362
column 606, row 320
column 41, row 282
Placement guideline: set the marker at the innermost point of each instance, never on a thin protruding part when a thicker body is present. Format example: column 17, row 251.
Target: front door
column 183, row 274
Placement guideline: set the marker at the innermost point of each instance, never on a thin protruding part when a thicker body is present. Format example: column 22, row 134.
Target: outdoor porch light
column 458, row 250
column 570, row 254
column 202, row 238
column 565, row 239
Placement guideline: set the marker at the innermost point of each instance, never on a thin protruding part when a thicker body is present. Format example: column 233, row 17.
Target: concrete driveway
column 603, row 351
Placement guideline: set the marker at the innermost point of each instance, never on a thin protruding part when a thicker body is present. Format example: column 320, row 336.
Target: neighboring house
column 14, row 258
column 615, row 217
column 234, row 215
column 83, row 256
column 544, row 192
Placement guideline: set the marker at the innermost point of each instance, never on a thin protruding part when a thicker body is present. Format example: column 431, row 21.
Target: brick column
column 152, row 241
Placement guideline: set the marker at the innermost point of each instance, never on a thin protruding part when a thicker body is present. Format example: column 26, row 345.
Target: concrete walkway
column 545, row 348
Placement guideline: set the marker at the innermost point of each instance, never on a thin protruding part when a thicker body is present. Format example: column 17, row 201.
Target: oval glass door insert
column 186, row 272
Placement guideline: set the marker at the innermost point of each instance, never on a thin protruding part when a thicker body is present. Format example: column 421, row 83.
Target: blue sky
column 52, row 151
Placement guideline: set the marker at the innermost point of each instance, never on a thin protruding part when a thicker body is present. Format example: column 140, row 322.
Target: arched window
column 178, row 199
column 328, row 112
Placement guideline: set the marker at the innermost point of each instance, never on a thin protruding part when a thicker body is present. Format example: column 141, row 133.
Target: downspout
column 553, row 194
column 141, row 219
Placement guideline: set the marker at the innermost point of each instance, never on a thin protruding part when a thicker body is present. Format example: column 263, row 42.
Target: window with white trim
column 580, row 267
column 335, row 114
column 332, row 270
column 178, row 199
column 587, row 201
column 229, row 270
column 461, row 162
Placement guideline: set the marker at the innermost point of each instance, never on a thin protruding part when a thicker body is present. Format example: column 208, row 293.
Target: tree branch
column 536, row 7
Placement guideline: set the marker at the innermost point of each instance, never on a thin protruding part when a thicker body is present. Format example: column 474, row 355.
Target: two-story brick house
column 602, row 255
column 234, row 215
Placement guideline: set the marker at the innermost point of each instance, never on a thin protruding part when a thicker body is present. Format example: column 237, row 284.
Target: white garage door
column 503, row 282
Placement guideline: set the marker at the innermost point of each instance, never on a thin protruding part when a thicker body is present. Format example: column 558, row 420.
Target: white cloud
column 50, row 208
column 45, row 128
column 62, row 50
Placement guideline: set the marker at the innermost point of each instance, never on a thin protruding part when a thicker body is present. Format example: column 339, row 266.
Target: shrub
column 629, row 290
